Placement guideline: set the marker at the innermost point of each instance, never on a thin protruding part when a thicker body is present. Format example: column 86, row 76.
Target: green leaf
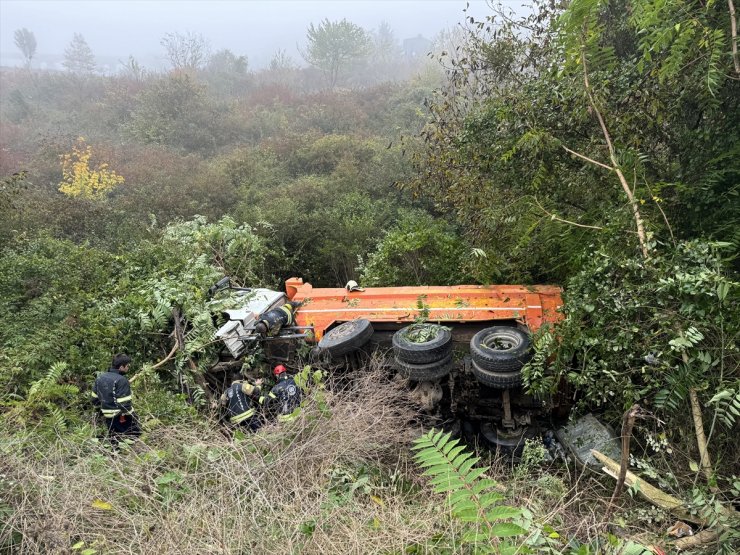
column 503, row 511
column 448, row 447
column 467, row 465
column 475, row 474
column 483, row 484
column 464, row 506
column 507, row 529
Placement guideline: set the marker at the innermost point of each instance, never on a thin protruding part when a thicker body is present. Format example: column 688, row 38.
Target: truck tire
column 346, row 337
column 500, row 349
column 497, row 380
column 425, row 372
column 507, row 443
column 436, row 348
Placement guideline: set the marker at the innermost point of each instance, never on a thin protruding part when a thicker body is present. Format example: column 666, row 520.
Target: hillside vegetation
column 594, row 144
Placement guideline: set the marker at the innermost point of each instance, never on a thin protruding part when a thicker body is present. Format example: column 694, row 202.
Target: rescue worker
column 285, row 396
column 270, row 323
column 111, row 392
column 242, row 400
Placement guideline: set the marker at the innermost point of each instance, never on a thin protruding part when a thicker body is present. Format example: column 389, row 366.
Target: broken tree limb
column 733, row 33
column 558, row 219
column 180, row 344
column 702, row 538
column 647, row 491
column 160, row 363
column 628, row 422
column 701, row 439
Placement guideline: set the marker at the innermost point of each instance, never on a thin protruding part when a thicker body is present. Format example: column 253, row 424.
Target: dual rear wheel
column 423, row 351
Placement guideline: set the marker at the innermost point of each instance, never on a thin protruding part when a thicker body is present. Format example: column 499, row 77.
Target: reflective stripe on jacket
column 112, row 393
column 239, row 399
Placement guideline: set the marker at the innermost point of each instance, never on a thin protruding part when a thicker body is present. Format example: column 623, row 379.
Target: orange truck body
column 323, row 308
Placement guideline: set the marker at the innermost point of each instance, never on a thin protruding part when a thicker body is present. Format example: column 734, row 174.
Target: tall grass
column 336, row 480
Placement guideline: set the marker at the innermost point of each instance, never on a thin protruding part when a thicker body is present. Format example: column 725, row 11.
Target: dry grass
column 334, row 481
column 284, row 490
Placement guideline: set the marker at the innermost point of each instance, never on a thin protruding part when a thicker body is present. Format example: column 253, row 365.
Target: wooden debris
column 649, row 492
column 702, row 538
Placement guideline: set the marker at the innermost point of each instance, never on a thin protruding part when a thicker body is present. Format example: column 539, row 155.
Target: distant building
column 417, row 46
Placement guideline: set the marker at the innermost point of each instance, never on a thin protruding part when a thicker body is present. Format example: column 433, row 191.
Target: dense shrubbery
column 600, row 151
column 594, row 150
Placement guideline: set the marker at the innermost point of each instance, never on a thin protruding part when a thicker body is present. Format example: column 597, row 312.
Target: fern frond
column 472, row 498
column 51, row 378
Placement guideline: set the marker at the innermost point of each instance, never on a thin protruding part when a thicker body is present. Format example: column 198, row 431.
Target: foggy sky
column 257, row 29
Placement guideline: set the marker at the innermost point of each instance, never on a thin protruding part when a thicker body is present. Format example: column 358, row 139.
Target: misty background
column 115, row 30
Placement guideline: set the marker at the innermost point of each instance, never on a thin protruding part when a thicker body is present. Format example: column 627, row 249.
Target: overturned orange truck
column 460, row 349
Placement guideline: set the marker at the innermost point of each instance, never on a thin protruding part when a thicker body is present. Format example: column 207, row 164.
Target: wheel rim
column 412, row 333
column 341, row 331
column 501, row 341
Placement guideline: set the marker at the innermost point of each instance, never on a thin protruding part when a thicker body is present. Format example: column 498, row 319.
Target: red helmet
column 279, row 369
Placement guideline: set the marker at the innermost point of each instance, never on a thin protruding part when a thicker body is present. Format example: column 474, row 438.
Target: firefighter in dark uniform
column 111, row 392
column 285, row 396
column 270, row 323
column 243, row 401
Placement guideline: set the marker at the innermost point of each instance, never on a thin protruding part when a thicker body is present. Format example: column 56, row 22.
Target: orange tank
column 322, row 308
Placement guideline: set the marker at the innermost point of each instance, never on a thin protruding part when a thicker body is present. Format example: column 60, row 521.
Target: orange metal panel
column 321, row 308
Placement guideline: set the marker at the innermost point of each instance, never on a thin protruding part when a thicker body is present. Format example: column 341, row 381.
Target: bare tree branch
column 558, row 219
column 613, row 157
column 587, row 159
column 733, row 30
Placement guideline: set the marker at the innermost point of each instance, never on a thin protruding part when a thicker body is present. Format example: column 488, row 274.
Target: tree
column 186, row 52
column 78, row 57
column 227, row 73
column 385, row 45
column 80, row 180
column 132, row 69
column 334, row 45
column 26, row 43
column 281, row 61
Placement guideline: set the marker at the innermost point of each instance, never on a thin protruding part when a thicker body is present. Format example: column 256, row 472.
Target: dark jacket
column 285, row 397
column 112, row 393
column 240, row 399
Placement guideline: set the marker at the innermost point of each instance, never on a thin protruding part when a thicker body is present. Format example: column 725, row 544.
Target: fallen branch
column 628, row 422
column 702, row 538
column 733, row 31
column 180, row 337
column 647, row 491
column 701, row 439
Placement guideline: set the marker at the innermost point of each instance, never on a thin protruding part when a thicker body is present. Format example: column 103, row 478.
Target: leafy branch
column 472, row 498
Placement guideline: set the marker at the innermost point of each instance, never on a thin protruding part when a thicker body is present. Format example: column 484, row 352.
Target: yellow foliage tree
column 80, row 180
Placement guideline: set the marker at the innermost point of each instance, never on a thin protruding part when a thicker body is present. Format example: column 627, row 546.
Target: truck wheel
column 500, row 349
column 425, row 372
column 497, row 380
column 507, row 442
column 346, row 337
column 435, row 343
